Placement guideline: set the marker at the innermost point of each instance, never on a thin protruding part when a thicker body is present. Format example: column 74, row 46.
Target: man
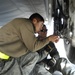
column 50, row 47
column 18, row 45
column 41, row 68
column 56, row 64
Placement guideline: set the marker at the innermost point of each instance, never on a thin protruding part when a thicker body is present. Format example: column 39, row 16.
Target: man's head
column 43, row 33
column 37, row 21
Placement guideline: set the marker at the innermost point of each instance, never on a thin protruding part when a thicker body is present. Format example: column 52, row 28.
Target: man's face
column 38, row 25
column 43, row 32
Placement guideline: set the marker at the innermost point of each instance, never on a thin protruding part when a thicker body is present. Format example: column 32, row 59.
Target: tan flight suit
column 17, row 40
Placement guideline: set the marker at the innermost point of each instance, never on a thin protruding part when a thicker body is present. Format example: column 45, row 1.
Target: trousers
column 19, row 66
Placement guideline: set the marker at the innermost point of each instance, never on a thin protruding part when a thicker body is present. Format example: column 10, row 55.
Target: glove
column 51, row 62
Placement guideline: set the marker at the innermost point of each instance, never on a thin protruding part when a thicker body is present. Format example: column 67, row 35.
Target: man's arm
column 29, row 39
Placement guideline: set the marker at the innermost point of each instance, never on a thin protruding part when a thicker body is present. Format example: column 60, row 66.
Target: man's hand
column 53, row 38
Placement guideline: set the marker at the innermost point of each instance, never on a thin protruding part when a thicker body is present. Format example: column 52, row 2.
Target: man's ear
column 34, row 21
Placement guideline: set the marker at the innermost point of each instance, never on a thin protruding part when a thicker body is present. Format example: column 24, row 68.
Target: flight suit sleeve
column 30, row 41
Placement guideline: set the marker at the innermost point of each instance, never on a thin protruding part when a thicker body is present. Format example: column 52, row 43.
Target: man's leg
column 9, row 67
column 28, row 61
column 39, row 69
column 57, row 73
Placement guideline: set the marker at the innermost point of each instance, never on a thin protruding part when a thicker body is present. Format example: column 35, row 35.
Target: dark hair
column 44, row 30
column 44, row 25
column 36, row 16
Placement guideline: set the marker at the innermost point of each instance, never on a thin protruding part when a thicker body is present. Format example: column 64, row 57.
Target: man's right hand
column 53, row 38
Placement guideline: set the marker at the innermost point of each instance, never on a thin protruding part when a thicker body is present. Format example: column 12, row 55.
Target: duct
column 48, row 8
